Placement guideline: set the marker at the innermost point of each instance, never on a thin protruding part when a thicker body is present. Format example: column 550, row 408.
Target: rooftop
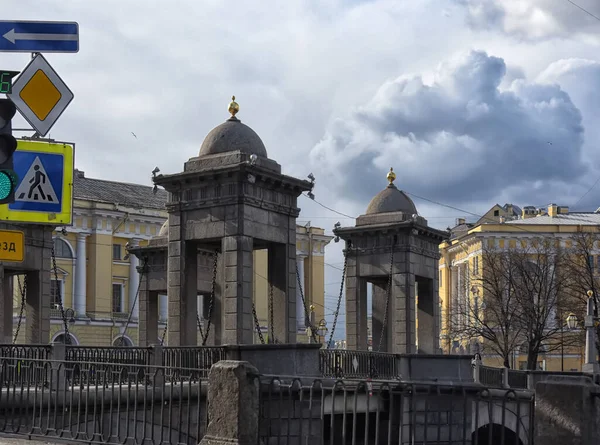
column 576, row 218
column 121, row 193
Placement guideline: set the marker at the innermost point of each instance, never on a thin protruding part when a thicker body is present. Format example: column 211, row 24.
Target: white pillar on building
column 134, row 281
column 163, row 307
column 79, row 300
column 300, row 313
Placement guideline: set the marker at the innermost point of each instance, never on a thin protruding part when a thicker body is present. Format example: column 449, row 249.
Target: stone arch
column 127, row 341
column 59, row 248
column 492, row 414
column 481, row 436
column 59, row 337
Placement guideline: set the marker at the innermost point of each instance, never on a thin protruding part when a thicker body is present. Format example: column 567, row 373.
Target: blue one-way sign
column 39, row 37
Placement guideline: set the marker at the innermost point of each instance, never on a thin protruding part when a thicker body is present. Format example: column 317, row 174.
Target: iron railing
column 338, row 363
column 192, row 357
column 491, row 376
column 65, row 401
column 393, row 413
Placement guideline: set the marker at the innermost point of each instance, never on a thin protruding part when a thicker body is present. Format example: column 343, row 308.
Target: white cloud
column 536, row 19
column 457, row 139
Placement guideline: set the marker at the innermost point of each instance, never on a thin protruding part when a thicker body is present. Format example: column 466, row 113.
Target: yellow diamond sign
column 40, row 95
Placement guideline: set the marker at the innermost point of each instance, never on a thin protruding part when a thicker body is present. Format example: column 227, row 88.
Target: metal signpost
column 44, row 192
column 40, row 95
column 34, row 36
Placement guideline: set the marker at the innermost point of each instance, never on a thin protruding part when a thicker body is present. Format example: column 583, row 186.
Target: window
column 117, row 252
column 117, row 305
column 476, row 265
column 55, row 292
column 496, row 212
column 61, row 249
column 122, row 341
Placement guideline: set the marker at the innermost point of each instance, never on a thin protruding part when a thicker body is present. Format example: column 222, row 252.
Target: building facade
column 461, row 269
column 97, row 281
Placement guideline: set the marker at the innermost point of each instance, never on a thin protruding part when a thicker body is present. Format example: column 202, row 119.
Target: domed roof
column 391, row 199
column 232, row 135
column 164, row 230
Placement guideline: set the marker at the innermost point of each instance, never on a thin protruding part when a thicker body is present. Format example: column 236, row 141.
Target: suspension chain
column 60, row 302
column 204, row 334
column 257, row 325
column 339, row 302
column 164, row 334
column 387, row 299
column 272, row 338
column 23, row 291
column 306, row 313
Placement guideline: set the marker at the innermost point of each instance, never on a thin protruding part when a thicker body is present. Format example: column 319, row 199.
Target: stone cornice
column 347, row 233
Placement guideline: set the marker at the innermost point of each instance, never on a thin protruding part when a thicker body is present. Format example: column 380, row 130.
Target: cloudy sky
column 473, row 102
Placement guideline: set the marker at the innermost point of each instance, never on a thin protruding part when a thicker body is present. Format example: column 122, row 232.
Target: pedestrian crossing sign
column 44, row 191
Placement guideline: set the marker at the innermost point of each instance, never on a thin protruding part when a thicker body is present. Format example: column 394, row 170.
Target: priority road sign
column 36, row 36
column 12, row 245
column 44, row 191
column 40, row 95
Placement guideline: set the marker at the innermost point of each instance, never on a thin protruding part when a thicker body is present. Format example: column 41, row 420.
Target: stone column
column 237, row 292
column 356, row 307
column 6, row 307
column 300, row 311
column 426, row 316
column 37, row 328
column 233, row 401
column 79, row 299
column 148, row 321
column 183, row 297
column 163, row 304
column 134, row 279
column 380, row 297
column 402, row 312
column 591, row 364
column 284, row 311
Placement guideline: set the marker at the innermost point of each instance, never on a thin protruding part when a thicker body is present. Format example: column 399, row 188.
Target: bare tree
column 582, row 274
column 495, row 320
column 540, row 287
column 521, row 288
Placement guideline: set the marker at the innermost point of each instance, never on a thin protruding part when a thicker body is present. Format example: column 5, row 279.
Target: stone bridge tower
column 231, row 199
column 392, row 248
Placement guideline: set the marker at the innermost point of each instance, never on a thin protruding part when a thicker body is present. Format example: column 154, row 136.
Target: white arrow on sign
column 12, row 36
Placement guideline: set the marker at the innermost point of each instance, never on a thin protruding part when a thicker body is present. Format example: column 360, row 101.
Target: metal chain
column 137, row 294
column 204, row 335
column 271, row 316
column 60, row 302
column 164, row 334
column 339, row 302
column 257, row 324
column 23, row 291
column 306, row 313
column 387, row 299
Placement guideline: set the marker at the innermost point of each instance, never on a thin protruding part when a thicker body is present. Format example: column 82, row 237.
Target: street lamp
column 571, row 321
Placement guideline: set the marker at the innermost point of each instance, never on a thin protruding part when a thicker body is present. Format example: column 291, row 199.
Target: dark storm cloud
column 457, row 139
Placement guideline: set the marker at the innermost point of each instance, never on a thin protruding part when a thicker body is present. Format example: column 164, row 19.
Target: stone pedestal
column 233, row 401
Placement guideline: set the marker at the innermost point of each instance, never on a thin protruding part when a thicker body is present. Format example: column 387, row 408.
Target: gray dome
column 164, row 230
column 391, row 199
column 232, row 135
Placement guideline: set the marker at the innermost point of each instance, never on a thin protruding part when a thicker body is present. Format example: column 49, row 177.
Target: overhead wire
column 584, row 10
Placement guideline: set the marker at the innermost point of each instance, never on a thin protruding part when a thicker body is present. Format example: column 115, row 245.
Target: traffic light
column 8, row 145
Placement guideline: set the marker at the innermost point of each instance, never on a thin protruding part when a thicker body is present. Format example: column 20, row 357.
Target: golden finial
column 391, row 176
column 233, row 107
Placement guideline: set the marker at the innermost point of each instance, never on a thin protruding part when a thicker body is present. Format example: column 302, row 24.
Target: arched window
column 62, row 249
column 61, row 338
column 122, row 340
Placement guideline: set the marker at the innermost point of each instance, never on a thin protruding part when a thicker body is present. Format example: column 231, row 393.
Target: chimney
column 552, row 210
column 79, row 173
column 528, row 212
column 563, row 210
column 460, row 221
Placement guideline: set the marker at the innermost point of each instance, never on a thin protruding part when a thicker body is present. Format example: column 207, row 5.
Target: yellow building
column 98, row 293
column 461, row 269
